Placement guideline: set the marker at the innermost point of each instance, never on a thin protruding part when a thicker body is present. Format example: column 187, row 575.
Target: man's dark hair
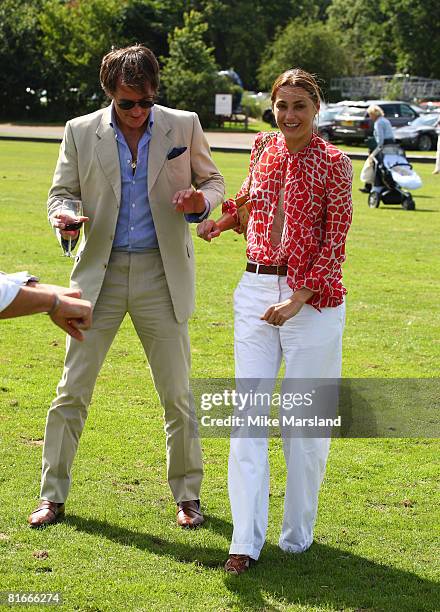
column 134, row 66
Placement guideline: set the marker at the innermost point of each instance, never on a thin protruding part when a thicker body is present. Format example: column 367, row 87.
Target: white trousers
column 311, row 344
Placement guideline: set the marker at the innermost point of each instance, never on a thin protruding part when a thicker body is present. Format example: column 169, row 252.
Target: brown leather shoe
column 189, row 515
column 47, row 513
column 237, row 564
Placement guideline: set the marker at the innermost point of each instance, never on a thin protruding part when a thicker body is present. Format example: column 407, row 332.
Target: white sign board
column 223, row 104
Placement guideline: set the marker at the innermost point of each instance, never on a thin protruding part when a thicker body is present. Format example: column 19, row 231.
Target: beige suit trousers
column 134, row 283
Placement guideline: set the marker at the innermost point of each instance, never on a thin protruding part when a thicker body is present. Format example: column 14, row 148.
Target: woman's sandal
column 237, row 564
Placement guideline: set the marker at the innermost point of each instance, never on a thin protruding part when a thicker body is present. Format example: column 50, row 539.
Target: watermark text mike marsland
column 343, row 407
column 266, row 421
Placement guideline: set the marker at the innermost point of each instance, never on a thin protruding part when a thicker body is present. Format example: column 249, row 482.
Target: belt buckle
column 280, row 270
column 257, row 271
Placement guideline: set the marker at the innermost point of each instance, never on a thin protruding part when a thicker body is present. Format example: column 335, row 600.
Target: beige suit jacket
column 88, row 169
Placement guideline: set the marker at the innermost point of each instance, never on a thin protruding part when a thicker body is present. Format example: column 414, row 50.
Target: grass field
column 376, row 544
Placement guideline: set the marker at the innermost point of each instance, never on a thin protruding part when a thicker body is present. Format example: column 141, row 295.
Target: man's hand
column 208, row 229
column 189, row 201
column 72, row 314
column 60, row 220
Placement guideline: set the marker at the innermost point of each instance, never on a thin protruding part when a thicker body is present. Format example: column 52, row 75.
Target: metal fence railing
column 403, row 87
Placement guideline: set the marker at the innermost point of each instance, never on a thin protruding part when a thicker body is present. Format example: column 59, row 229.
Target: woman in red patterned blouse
column 289, row 304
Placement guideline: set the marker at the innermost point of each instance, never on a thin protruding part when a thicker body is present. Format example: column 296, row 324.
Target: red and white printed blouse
column 317, row 214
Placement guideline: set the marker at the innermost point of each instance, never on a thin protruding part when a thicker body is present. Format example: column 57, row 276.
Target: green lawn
column 119, row 549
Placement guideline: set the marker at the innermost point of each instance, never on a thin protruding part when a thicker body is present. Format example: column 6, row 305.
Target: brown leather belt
column 260, row 269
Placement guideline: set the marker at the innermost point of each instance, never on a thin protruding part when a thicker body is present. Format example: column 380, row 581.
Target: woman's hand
column 278, row 314
column 208, row 229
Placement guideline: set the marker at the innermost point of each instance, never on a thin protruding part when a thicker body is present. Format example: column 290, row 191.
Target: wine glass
column 73, row 208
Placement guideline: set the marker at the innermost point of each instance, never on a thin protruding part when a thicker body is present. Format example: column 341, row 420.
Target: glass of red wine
column 74, row 209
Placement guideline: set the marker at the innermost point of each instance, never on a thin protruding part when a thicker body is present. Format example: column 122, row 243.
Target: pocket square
column 176, row 152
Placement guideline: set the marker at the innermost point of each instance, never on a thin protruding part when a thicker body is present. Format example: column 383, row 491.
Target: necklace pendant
column 134, row 164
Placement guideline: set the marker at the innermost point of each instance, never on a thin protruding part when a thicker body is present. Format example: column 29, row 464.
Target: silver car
column 420, row 134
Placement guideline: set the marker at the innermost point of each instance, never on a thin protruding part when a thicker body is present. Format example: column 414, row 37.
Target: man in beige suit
column 133, row 165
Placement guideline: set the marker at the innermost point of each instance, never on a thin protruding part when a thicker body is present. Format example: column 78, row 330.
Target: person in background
column 437, row 155
column 142, row 172
column 289, row 304
column 382, row 128
column 21, row 294
column 382, row 134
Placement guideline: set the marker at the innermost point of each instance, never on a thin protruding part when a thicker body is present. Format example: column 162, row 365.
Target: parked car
column 431, row 106
column 268, row 117
column 326, row 120
column 354, row 125
column 419, row 134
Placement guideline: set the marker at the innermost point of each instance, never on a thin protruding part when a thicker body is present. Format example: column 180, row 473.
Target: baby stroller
column 396, row 176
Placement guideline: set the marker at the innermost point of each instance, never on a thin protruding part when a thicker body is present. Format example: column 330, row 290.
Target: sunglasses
column 128, row 104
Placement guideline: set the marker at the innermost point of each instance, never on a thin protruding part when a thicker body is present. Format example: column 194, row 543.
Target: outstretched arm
column 63, row 305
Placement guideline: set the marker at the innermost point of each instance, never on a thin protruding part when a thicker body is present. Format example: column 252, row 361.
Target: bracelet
column 55, row 305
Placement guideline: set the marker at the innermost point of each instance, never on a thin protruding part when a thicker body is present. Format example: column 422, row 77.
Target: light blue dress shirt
column 135, row 231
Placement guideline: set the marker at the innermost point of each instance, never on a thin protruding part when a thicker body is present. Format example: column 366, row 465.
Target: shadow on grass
column 397, row 207
column 322, row 576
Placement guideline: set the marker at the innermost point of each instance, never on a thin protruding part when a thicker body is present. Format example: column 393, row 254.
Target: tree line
column 50, row 50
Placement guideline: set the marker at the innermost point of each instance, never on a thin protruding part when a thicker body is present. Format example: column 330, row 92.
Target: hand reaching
column 71, row 313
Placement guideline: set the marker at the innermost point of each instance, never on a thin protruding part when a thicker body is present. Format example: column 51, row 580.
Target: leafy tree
column 239, row 31
column 57, row 45
column 383, row 40
column 415, row 32
column 76, row 35
column 144, row 21
column 311, row 46
column 189, row 73
column 363, row 29
column 20, row 59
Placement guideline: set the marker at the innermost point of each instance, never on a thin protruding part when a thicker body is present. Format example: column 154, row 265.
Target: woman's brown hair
column 298, row 78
